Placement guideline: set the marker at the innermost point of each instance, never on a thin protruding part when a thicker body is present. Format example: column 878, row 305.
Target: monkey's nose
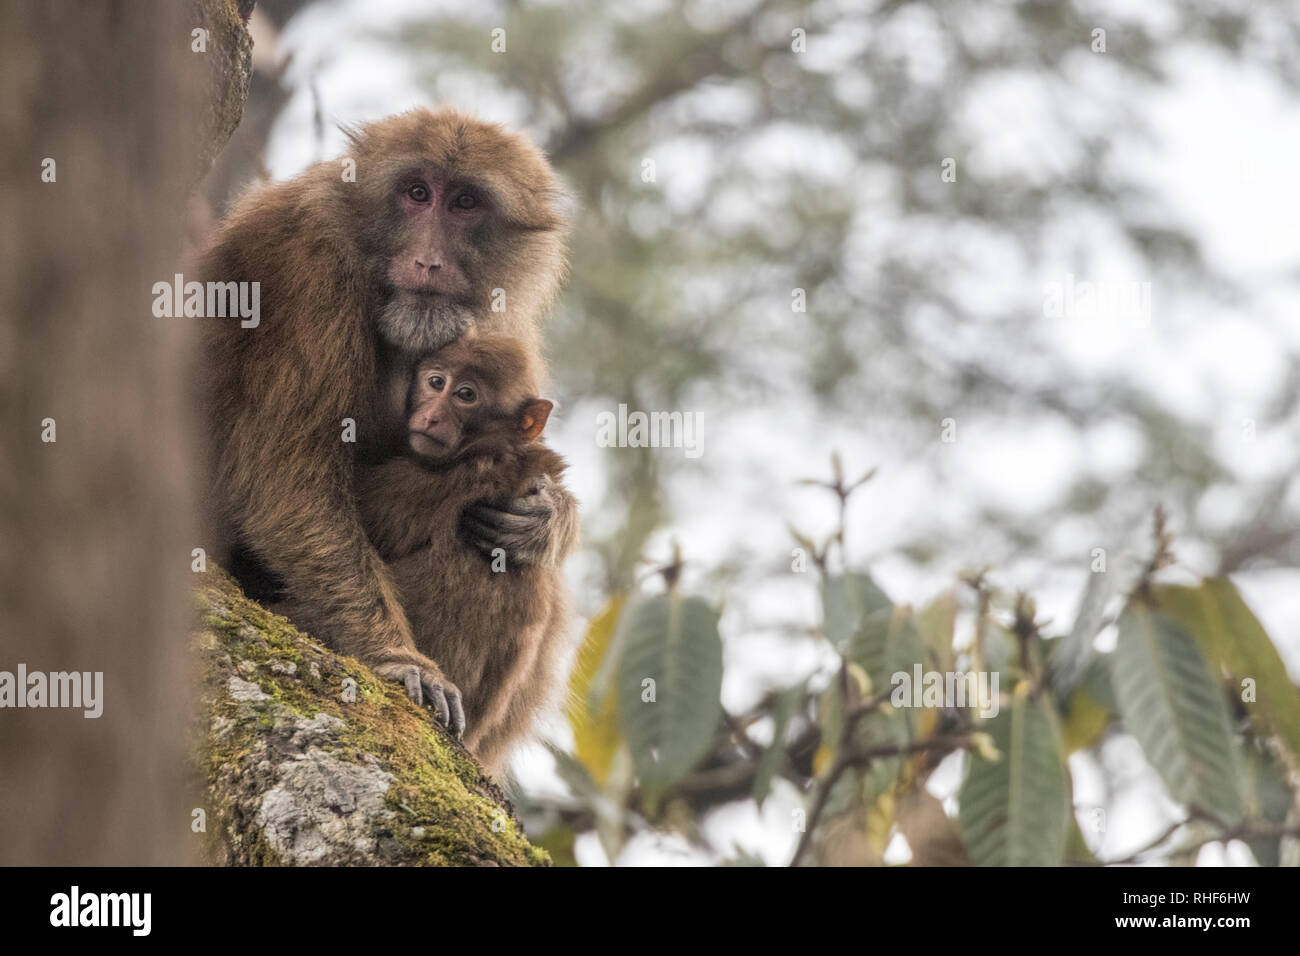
column 428, row 265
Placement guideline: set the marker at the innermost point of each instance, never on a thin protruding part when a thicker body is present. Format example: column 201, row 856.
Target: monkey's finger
column 457, row 712
column 484, row 546
column 484, row 536
column 439, row 701
column 533, row 504
column 411, row 678
column 520, row 522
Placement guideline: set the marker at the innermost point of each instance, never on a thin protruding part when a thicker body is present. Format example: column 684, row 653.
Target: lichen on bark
column 305, row 757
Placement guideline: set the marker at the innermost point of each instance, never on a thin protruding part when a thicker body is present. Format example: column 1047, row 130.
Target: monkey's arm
column 539, row 527
column 339, row 588
column 403, row 507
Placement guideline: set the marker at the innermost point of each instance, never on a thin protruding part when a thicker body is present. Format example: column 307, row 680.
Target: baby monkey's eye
column 418, row 193
column 437, row 383
column 466, row 394
column 466, row 201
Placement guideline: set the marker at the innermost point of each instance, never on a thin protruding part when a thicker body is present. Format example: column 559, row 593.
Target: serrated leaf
column 847, row 599
column 672, row 640
column 1231, row 637
column 593, row 713
column 1175, row 710
column 1015, row 811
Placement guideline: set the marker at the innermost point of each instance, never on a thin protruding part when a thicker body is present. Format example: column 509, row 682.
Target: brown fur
column 497, row 635
column 278, row 394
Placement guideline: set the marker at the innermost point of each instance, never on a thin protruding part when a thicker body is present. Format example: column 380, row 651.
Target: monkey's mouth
column 428, row 446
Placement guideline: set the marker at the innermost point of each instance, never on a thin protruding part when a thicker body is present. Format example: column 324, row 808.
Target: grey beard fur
column 421, row 327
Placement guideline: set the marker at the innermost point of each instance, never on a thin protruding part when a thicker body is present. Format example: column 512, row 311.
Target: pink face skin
column 443, row 400
column 440, row 214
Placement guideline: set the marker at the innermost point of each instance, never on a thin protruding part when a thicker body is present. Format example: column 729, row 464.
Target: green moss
column 446, row 806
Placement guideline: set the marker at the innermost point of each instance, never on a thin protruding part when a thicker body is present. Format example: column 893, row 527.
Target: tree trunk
column 308, row 758
column 108, row 119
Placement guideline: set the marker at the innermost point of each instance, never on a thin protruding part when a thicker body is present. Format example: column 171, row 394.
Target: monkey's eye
column 466, row 394
column 437, row 382
column 418, row 193
column 466, row 201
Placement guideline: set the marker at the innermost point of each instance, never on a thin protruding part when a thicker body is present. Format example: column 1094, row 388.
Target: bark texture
column 308, row 758
column 108, row 119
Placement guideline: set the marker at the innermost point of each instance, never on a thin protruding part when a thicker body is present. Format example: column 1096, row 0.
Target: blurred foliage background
column 798, row 152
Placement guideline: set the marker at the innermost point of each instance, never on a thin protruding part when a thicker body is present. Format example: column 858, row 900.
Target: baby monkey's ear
column 532, row 417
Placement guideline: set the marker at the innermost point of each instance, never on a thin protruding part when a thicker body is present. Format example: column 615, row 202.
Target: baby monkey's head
column 474, row 396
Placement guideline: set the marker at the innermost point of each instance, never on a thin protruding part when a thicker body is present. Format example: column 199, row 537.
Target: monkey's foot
column 426, row 684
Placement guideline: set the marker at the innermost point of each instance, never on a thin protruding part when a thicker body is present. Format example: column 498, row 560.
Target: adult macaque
column 445, row 219
column 496, row 631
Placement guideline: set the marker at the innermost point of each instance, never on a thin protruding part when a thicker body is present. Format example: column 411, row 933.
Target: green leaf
column 881, row 728
column 1269, row 799
column 887, row 642
column 1231, row 637
column 770, row 761
column 1076, row 847
column 672, row 640
column 869, row 646
column 1015, row 811
column 1176, row 711
column 592, row 709
column 935, row 623
column 1074, row 652
column 1001, row 652
column 847, row 599
column 1091, row 708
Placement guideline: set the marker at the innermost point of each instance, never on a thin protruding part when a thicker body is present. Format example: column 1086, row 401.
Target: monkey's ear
column 532, row 417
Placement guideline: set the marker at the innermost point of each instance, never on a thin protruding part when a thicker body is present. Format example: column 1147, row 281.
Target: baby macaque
column 494, row 632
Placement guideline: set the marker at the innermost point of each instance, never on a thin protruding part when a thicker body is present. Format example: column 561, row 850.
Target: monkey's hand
column 425, row 684
column 540, row 528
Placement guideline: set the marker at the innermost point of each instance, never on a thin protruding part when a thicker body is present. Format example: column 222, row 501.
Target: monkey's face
column 473, row 398
column 432, row 275
column 443, row 399
column 463, row 226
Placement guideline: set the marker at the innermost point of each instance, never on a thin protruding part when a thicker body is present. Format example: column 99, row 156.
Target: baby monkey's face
column 443, row 400
column 473, row 395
